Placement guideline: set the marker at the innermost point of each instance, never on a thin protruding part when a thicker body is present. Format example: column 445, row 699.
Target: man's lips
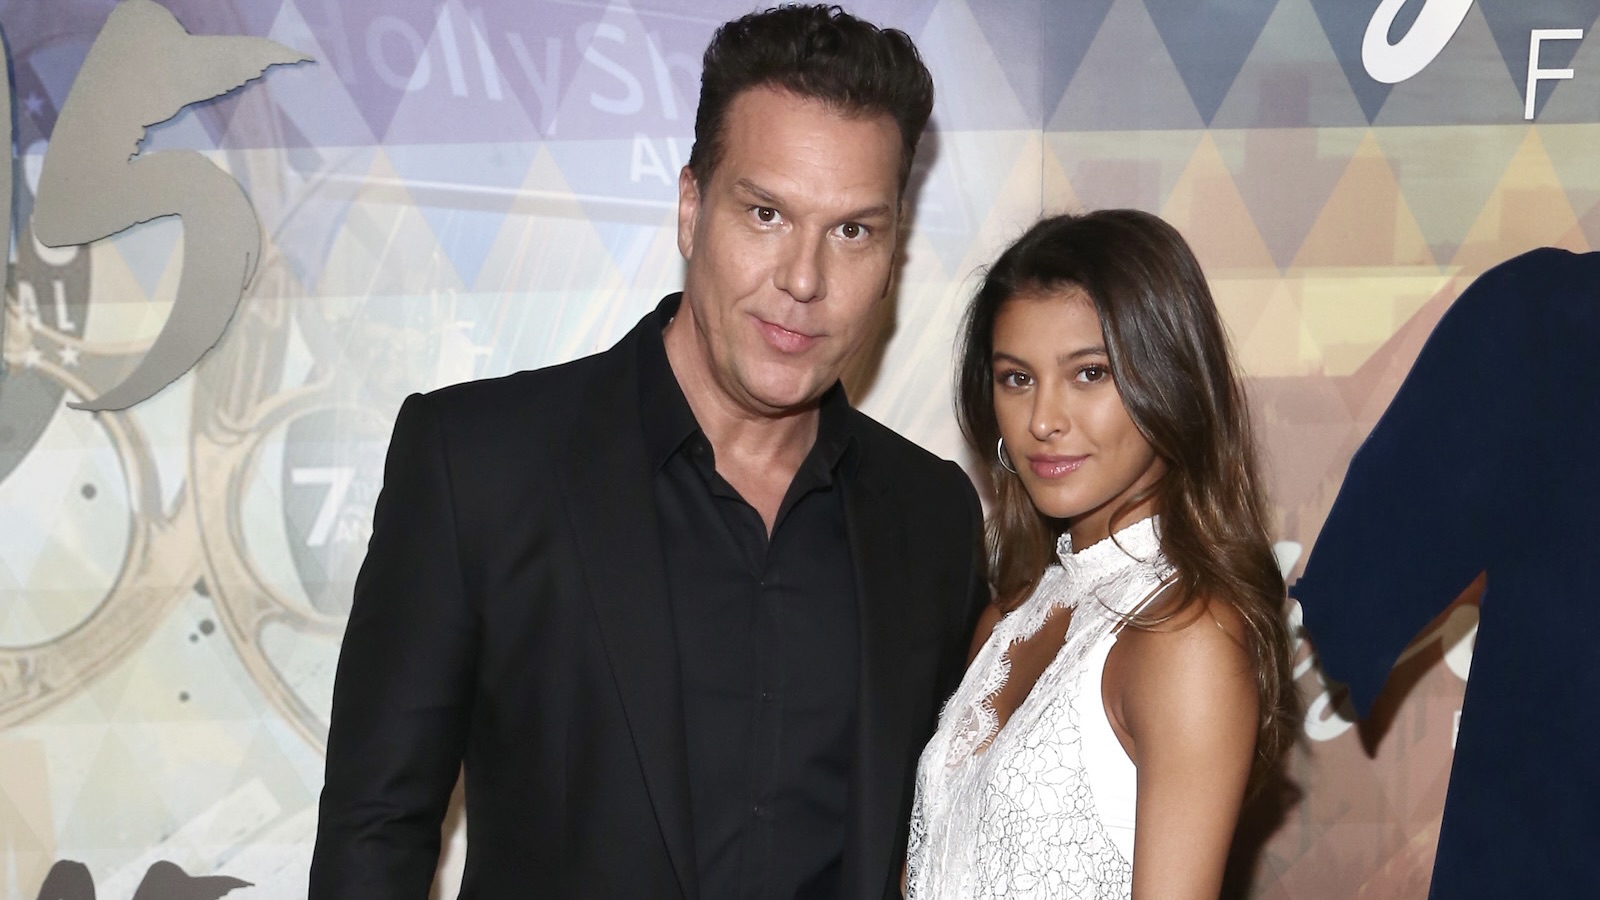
column 785, row 340
column 1051, row 466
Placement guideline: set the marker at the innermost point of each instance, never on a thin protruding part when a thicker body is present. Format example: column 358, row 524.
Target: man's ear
column 901, row 236
column 688, row 211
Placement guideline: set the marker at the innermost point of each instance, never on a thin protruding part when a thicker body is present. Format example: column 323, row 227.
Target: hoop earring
column 1000, row 452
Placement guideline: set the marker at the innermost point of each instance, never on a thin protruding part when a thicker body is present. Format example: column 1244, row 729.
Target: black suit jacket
column 512, row 615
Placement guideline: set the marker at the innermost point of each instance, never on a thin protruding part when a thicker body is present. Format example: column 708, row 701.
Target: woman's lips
column 1054, row 466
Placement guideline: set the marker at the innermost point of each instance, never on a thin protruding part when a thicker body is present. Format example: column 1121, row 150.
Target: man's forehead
column 780, row 97
column 773, row 135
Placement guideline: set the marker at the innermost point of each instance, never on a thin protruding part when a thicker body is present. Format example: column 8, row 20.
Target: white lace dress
column 1012, row 812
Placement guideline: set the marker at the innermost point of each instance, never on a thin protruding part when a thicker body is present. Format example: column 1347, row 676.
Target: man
column 685, row 616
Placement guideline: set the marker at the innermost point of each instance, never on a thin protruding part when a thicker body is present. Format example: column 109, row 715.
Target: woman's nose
column 1048, row 419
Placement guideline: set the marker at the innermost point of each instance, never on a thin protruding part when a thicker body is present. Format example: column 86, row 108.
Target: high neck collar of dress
column 1134, row 544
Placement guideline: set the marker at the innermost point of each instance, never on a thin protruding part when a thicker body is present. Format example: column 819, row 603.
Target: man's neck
column 779, row 438
column 757, row 452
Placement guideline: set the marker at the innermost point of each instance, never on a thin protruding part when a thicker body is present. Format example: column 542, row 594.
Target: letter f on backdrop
column 142, row 70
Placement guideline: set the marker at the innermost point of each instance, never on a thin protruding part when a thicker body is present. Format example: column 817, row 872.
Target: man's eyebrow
column 756, row 191
column 766, row 197
column 876, row 211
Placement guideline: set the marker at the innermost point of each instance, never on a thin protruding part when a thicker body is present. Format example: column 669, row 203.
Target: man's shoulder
column 932, row 497
column 550, row 389
column 882, row 443
column 521, row 418
column 884, row 439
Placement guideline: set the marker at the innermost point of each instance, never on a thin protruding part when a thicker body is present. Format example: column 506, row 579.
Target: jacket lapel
column 609, row 498
column 887, row 711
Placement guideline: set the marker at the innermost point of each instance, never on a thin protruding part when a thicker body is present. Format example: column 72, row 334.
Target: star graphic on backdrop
column 31, row 358
column 34, row 103
column 69, row 357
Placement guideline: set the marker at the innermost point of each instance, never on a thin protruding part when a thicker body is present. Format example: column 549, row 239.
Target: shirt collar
column 665, row 414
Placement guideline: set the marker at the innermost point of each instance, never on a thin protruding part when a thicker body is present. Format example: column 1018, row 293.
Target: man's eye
column 851, row 231
column 766, row 214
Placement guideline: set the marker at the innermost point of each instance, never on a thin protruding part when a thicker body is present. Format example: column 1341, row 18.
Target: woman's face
column 1077, row 451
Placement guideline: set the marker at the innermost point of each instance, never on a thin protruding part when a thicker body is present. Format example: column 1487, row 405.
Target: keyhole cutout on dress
column 1026, row 660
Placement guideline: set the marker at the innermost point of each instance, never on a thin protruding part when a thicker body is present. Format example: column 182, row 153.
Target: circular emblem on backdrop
column 91, row 561
column 332, row 470
column 290, row 474
column 282, row 466
column 47, row 306
column 291, row 423
column 286, row 431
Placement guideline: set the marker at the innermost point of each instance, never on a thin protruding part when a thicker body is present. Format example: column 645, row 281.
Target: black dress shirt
column 768, row 638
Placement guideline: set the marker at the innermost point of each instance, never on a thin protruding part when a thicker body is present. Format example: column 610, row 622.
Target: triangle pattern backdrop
column 465, row 188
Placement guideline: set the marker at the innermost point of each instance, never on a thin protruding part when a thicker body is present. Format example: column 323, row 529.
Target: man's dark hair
column 819, row 53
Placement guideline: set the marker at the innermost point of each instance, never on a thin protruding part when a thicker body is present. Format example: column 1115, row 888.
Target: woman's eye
column 1094, row 373
column 1013, row 379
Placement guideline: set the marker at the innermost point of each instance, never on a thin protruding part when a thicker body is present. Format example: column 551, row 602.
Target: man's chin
column 777, row 398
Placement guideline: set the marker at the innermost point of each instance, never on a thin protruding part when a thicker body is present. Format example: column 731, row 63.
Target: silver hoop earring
column 1000, row 451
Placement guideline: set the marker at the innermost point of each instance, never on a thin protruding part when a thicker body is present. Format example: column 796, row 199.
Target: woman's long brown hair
column 1170, row 362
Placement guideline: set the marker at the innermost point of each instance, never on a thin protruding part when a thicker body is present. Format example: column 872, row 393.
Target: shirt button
column 766, row 696
column 759, row 811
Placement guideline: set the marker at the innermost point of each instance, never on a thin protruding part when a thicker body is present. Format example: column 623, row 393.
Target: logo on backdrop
column 142, row 70
column 44, row 340
column 1435, row 25
column 95, row 483
column 1383, row 43
column 70, row 880
column 1393, row 61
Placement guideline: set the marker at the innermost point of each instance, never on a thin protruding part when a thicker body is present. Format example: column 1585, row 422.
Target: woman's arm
column 1183, row 700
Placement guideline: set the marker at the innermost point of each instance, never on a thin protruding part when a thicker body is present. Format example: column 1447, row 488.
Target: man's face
column 789, row 246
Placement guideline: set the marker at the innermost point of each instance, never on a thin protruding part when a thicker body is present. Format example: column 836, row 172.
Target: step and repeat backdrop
column 454, row 189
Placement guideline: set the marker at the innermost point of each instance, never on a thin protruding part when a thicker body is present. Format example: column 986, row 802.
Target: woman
column 1130, row 681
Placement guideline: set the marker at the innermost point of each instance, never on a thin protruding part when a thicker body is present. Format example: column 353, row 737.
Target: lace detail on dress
column 1003, row 812
column 976, row 721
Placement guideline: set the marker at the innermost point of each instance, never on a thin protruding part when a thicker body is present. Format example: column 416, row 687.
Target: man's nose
column 800, row 269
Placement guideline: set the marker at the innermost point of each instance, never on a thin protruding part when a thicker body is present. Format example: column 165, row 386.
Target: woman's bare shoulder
column 1189, row 670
